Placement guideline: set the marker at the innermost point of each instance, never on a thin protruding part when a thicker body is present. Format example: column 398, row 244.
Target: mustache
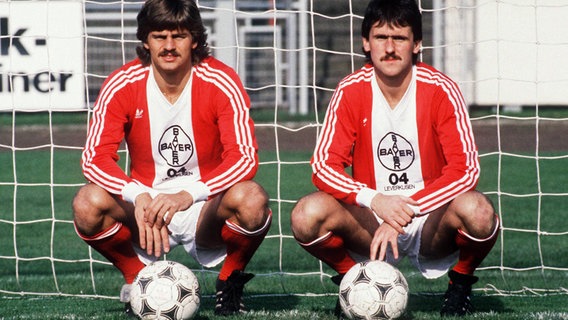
column 168, row 52
column 390, row 56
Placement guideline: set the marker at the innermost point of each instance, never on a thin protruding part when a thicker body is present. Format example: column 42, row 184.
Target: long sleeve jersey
column 203, row 144
column 423, row 148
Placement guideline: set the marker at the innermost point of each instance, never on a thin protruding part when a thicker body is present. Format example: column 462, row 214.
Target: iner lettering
column 43, row 82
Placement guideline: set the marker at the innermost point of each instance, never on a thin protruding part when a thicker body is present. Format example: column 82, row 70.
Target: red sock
column 473, row 251
column 241, row 245
column 115, row 244
column 330, row 250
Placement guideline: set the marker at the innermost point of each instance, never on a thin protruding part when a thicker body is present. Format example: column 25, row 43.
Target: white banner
column 41, row 55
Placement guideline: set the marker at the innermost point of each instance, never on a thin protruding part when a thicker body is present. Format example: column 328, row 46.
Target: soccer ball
column 165, row 290
column 373, row 290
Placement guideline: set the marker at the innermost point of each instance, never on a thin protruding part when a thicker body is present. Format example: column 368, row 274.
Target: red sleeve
column 333, row 152
column 235, row 128
column 451, row 124
column 105, row 134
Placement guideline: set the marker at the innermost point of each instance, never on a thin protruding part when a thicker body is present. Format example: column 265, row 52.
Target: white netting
column 506, row 55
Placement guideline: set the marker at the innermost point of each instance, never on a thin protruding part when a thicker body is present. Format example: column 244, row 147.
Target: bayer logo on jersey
column 176, row 146
column 395, row 152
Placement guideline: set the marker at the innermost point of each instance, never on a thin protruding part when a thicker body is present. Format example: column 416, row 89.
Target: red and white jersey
column 423, row 148
column 203, row 143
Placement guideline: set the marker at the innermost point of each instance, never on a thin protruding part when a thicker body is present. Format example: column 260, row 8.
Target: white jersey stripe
column 325, row 141
column 91, row 171
column 244, row 139
column 238, row 105
column 327, row 174
column 106, row 94
column 441, row 196
column 114, row 84
column 116, row 188
column 100, row 108
column 340, row 187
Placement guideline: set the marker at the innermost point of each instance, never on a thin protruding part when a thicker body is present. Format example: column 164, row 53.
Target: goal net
column 506, row 55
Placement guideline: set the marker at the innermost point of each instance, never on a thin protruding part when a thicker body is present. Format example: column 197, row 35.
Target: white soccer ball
column 165, row 290
column 373, row 290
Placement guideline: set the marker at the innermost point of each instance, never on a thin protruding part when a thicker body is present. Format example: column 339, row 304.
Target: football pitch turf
column 287, row 307
column 46, row 271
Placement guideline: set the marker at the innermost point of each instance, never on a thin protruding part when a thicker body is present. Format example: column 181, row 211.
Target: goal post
column 290, row 54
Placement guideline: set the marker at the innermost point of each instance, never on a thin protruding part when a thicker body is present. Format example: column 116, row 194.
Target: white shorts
column 409, row 246
column 183, row 228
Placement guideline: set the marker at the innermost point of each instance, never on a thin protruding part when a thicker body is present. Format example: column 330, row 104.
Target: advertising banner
column 41, row 55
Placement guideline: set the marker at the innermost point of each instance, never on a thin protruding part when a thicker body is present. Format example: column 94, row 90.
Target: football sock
column 331, row 251
column 241, row 245
column 115, row 244
column 473, row 250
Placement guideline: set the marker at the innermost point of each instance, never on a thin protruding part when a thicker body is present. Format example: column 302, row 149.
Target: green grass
column 423, row 307
column 45, row 187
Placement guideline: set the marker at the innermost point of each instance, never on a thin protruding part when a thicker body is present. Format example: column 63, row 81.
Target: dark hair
column 399, row 13
column 157, row 15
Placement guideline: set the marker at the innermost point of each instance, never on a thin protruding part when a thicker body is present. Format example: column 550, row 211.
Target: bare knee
column 249, row 201
column 308, row 215
column 477, row 214
column 85, row 201
column 89, row 206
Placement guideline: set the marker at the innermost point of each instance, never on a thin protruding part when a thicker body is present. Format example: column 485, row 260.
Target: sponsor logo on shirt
column 395, row 152
column 175, row 146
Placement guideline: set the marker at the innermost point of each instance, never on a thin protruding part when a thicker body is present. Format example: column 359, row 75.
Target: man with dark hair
column 185, row 119
column 403, row 128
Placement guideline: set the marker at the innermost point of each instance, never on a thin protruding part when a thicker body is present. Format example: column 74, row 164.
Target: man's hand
column 145, row 232
column 384, row 235
column 153, row 216
column 163, row 207
column 394, row 210
column 161, row 239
